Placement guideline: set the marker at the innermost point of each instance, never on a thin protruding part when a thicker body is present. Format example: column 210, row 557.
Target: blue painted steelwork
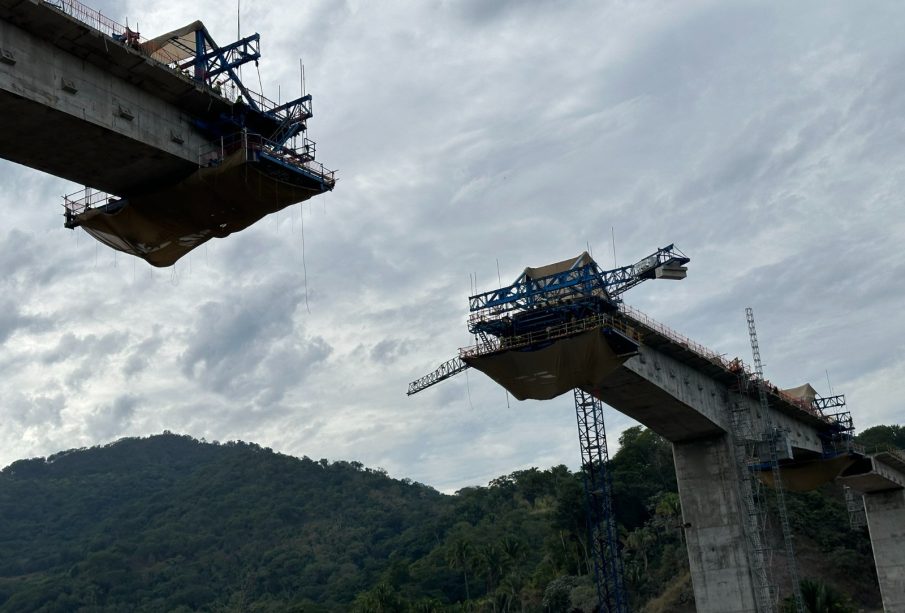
column 208, row 63
column 603, row 533
column 840, row 437
column 535, row 307
column 584, row 277
column 583, row 290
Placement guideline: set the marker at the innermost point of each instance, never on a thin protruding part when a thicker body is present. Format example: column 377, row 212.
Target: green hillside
column 169, row 523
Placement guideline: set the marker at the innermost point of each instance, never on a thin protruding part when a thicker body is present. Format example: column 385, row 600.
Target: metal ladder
column 771, row 437
column 744, row 445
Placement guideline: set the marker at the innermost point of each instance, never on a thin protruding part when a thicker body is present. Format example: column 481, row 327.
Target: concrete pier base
column 886, row 522
column 713, row 515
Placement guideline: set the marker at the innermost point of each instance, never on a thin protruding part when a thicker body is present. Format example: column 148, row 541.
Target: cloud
column 247, row 344
column 473, row 139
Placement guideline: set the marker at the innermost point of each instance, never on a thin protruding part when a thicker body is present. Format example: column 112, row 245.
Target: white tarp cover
column 802, row 392
column 174, row 46
column 584, row 361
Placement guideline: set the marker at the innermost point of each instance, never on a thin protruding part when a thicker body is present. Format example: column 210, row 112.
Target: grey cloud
column 232, row 343
column 90, row 346
column 763, row 139
column 388, row 350
column 35, row 410
column 484, row 12
column 112, row 419
column 143, row 353
column 13, row 320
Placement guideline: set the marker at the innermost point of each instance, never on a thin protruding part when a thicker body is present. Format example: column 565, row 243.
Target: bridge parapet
column 736, row 375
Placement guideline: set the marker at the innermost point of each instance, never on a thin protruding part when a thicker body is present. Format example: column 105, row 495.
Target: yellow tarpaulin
column 802, row 392
column 806, row 476
column 213, row 202
column 582, row 361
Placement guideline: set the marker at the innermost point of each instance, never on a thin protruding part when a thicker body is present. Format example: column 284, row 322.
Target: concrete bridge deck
column 685, row 392
column 81, row 105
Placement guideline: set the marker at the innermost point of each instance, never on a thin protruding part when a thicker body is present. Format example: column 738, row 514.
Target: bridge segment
column 688, row 394
column 880, row 478
column 172, row 148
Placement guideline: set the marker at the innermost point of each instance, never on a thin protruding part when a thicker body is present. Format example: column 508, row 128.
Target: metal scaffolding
column 772, row 436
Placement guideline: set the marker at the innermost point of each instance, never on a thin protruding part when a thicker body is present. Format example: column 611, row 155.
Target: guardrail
column 551, row 333
column 299, row 157
column 91, row 17
column 134, row 40
column 735, row 366
column 78, row 202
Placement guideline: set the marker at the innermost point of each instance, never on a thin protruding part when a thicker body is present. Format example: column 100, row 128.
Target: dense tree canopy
column 172, row 523
column 880, row 437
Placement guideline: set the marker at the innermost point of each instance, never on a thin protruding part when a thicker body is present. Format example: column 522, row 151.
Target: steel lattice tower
column 603, row 534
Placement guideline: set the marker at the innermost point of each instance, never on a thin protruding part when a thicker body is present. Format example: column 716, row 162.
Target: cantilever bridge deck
column 153, row 129
column 716, row 366
column 82, row 105
column 637, row 326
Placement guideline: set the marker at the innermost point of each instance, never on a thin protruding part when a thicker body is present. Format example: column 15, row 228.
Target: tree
column 882, row 436
column 459, row 557
column 818, row 597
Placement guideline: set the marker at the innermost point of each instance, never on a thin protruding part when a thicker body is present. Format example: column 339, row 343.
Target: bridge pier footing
column 713, row 514
column 886, row 523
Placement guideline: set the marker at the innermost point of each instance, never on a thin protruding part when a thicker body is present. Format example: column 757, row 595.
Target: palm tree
column 459, row 558
column 639, row 541
column 820, row 598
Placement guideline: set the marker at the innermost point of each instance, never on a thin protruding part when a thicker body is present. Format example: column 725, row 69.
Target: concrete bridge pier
column 881, row 479
column 886, row 523
column 713, row 515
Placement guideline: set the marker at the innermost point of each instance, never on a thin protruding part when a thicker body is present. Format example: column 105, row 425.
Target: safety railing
column 78, row 202
column 90, row 17
column 105, row 25
column 895, row 452
column 551, row 333
column 132, row 39
column 301, row 157
column 735, row 366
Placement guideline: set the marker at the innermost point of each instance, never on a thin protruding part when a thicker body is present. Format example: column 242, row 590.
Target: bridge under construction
column 173, row 148
column 564, row 326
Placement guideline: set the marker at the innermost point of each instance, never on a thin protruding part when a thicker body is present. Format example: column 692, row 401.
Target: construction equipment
column 174, row 148
column 553, row 330
column 551, row 297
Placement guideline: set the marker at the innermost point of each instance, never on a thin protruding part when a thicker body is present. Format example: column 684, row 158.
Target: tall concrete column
column 886, row 522
column 713, row 515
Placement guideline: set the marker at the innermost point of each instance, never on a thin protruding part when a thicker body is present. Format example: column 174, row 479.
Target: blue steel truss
column 582, row 290
column 209, row 63
column 839, row 438
column 584, row 278
column 535, row 308
column 828, row 402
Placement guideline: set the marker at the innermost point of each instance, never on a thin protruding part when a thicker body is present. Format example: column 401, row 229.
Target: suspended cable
column 304, row 264
column 468, row 390
column 260, row 84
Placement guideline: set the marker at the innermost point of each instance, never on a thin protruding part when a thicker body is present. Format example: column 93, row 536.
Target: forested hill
column 169, row 523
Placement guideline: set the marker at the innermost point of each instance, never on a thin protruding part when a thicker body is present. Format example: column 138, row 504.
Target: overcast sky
column 766, row 140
